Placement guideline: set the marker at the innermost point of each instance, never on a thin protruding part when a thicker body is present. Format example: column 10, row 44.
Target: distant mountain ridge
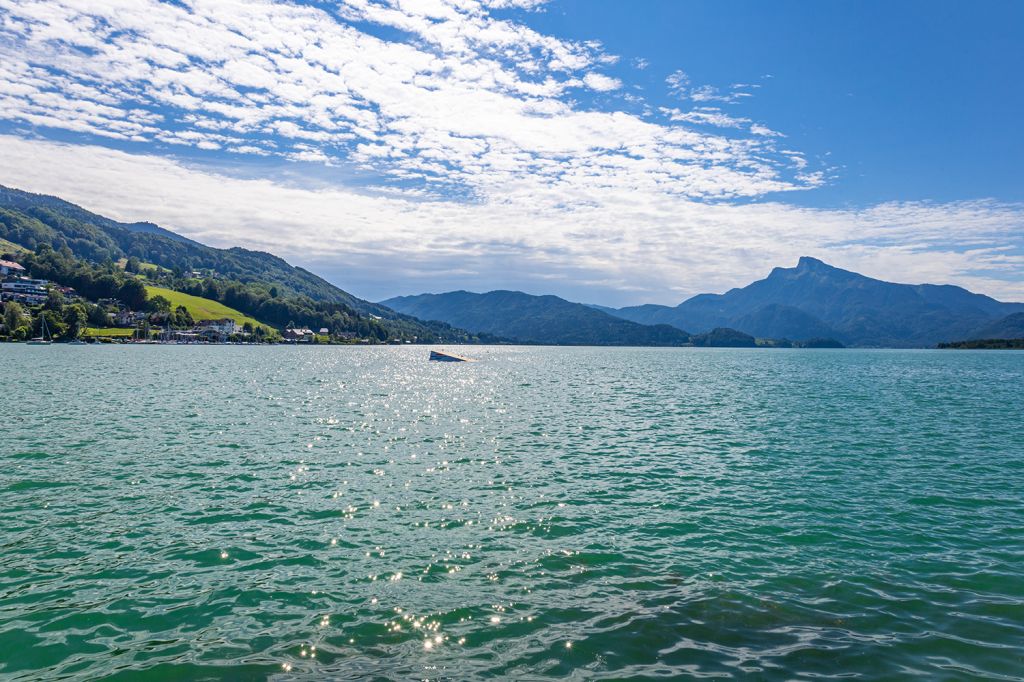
column 815, row 299
column 26, row 201
column 811, row 301
column 29, row 219
column 1009, row 327
column 535, row 319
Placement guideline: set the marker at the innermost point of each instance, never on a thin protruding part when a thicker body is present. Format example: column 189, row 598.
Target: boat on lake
column 440, row 356
column 44, row 339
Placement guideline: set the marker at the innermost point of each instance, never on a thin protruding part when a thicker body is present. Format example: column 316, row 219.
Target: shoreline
column 940, row 347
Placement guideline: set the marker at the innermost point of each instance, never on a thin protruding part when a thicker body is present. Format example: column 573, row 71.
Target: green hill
column 201, row 308
column 252, row 283
column 31, row 219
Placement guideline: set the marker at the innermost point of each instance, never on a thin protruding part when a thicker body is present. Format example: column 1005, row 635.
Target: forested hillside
column 79, row 249
column 536, row 319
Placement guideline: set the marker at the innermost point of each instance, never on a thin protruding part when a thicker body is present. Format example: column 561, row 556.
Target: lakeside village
column 38, row 310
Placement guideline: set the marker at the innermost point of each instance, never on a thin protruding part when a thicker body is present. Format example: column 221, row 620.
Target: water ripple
column 352, row 513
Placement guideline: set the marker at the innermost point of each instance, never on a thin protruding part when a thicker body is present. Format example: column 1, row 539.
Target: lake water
column 178, row 513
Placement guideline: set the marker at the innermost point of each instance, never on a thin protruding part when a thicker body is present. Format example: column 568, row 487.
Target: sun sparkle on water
column 653, row 511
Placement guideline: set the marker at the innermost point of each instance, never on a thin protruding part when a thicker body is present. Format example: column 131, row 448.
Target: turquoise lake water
column 186, row 513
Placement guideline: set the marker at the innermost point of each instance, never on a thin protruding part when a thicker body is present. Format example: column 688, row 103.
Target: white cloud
column 678, row 82
column 518, row 4
column 680, row 85
column 478, row 166
column 464, row 101
column 714, row 117
column 601, row 83
column 624, row 245
column 759, row 129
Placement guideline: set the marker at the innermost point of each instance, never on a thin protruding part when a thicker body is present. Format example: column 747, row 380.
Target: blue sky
column 605, row 151
column 908, row 100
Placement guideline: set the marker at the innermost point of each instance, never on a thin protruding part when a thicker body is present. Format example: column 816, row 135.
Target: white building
column 299, row 334
column 8, row 267
column 25, row 290
column 226, row 326
column 126, row 318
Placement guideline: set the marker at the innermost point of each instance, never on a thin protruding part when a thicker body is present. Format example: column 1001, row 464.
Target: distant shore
column 984, row 344
column 989, row 344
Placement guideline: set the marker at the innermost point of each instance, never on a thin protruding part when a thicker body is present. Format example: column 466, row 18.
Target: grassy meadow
column 108, row 332
column 202, row 308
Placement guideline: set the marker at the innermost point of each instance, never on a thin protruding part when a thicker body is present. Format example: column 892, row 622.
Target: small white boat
column 440, row 356
column 44, row 339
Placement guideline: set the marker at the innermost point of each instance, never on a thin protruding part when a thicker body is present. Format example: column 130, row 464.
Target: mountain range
column 812, row 301
column 815, row 299
column 535, row 319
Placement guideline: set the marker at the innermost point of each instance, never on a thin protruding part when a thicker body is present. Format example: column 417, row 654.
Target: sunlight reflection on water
column 359, row 512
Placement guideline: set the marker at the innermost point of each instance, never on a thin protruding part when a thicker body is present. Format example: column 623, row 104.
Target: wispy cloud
column 707, row 116
column 453, row 98
column 439, row 144
column 680, row 85
column 627, row 248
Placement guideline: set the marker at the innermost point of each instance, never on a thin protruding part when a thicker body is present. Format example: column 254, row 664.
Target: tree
column 158, row 304
column 98, row 317
column 212, row 290
column 133, row 265
column 54, row 300
column 14, row 316
column 181, row 318
column 106, row 286
column 273, row 292
column 75, row 317
column 132, row 293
